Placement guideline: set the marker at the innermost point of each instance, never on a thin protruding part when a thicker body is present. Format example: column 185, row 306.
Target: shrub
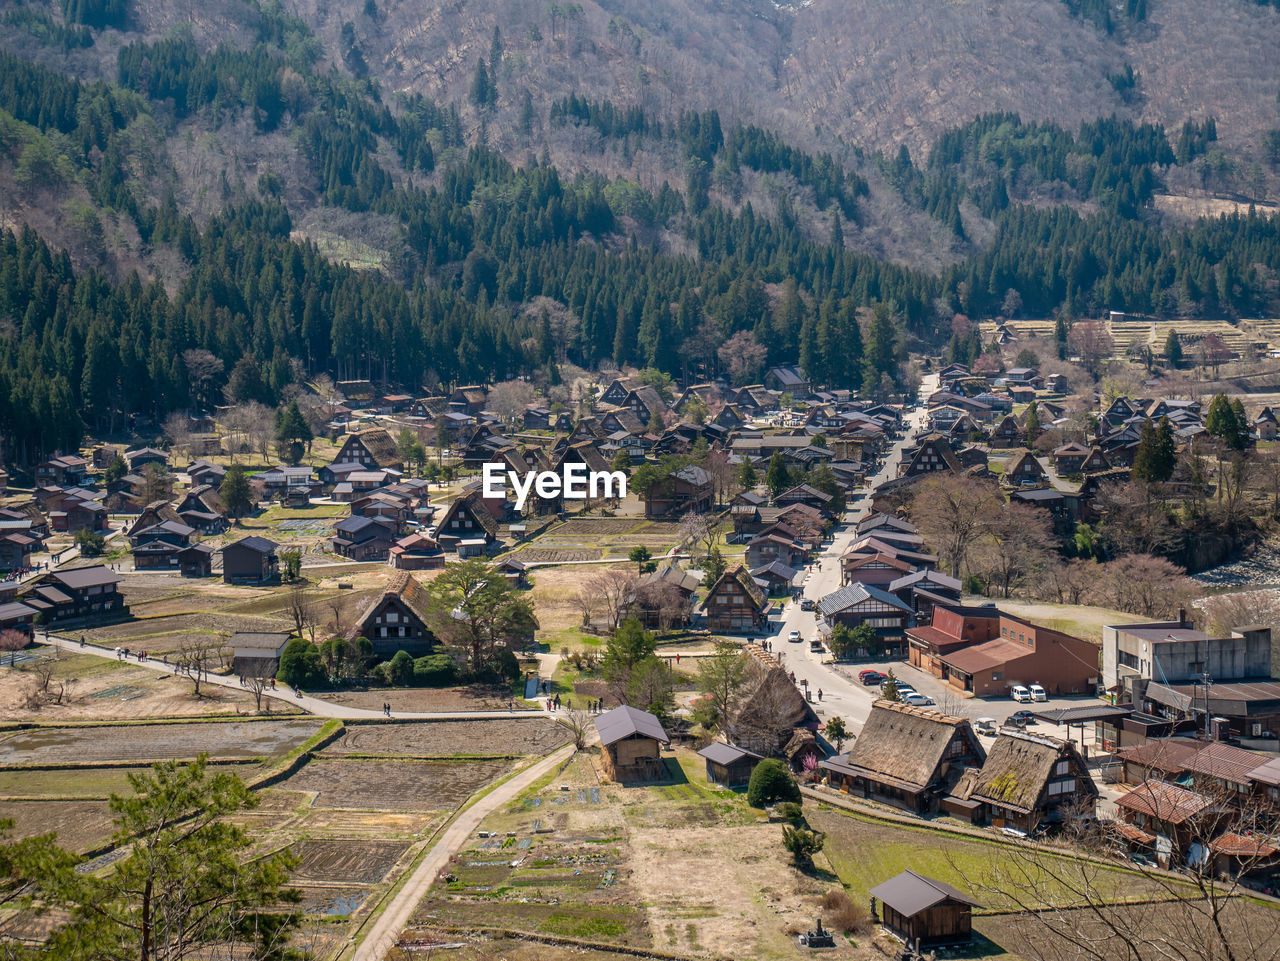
column 400, row 669
column 842, row 913
column 771, row 782
column 301, row 665
column 790, row 812
column 434, row 670
column 802, row 843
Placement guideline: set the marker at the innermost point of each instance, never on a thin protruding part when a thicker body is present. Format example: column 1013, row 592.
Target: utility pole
column 1206, row 679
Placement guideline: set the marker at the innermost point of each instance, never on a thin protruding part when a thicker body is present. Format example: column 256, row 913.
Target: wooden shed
column 727, row 764
column 631, row 740
column 924, row 912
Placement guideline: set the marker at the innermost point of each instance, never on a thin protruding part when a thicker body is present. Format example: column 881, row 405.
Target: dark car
column 870, row 677
column 1022, row 718
column 808, row 604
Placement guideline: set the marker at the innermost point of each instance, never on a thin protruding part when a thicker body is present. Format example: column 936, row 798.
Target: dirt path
column 386, row 930
column 312, row 705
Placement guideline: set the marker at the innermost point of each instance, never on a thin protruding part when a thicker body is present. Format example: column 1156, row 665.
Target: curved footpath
column 287, row 695
column 396, row 913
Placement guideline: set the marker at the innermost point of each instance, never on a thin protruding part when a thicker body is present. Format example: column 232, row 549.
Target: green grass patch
column 865, row 852
column 592, row 927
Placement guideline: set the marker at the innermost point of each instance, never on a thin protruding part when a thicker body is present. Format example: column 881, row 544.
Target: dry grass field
column 451, row 738
column 152, row 742
column 394, row 785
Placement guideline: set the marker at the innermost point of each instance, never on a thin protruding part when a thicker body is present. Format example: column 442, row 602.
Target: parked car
column 870, row 678
column 1037, row 692
column 986, row 725
column 816, row 646
column 904, row 690
column 808, row 604
column 1020, row 694
column 1022, row 718
column 794, row 637
column 919, row 700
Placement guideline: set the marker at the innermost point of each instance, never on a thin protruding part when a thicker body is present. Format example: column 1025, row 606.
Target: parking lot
column 952, row 702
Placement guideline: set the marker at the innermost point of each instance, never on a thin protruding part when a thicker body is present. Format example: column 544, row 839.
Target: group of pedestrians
column 594, row 705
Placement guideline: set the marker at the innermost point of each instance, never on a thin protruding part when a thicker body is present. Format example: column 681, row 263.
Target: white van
column 1020, row 694
column 1037, row 693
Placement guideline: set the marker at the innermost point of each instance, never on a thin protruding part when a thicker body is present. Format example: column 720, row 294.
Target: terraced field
column 153, row 742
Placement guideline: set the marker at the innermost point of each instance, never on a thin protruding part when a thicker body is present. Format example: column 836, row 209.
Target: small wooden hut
column 924, row 912
column 727, row 764
column 632, row 744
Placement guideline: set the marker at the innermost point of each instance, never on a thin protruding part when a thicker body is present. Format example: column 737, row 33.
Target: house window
column 997, row 675
column 1128, row 660
column 1062, row 787
column 393, row 617
column 1061, row 768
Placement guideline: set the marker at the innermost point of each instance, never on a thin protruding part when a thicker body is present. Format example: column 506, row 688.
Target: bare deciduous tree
column 613, row 589
column 509, row 399
column 13, row 641
column 699, row 530
column 1079, row 909
column 954, row 514
column 197, row 656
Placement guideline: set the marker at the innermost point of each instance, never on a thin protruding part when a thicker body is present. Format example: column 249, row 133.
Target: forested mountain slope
column 418, row 193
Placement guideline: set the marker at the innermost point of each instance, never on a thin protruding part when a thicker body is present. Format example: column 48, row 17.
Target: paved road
column 391, row 922
column 840, row 695
column 309, row 703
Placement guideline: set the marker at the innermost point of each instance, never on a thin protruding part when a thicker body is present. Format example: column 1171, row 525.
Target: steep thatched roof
column 908, row 744
column 1018, row 767
column 380, row 445
column 403, row 586
column 769, row 710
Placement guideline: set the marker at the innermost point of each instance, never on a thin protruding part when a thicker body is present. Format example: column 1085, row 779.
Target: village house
column 663, row 599
column 859, row 604
column 141, row 458
column 196, row 560
column 158, row 546
column 396, row 620
column 15, row 550
column 468, row 527
column 934, row 453
column 631, row 743
column 79, row 592
column 906, row 756
column 373, row 448
column 202, row 472
column 1008, row 433
column 735, row 604
column 256, row 653
column 202, row 508
column 987, row 652
column 768, row 548
column 922, row 591
column 250, row 560
column 362, row 538
column 1027, row 781
column 680, row 492
column 1024, row 470
column 16, row 616
column 416, row 552
column 66, row 470
column 1165, row 820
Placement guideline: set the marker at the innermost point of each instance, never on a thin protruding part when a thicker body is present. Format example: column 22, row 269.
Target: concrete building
column 1174, row 652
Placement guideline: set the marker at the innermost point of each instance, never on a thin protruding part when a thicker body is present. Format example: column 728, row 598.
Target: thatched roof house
column 906, row 756
column 1027, row 780
column 769, row 712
